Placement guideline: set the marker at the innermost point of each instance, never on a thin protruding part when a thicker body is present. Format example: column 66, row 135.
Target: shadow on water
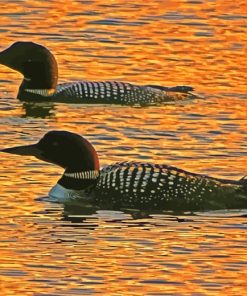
column 80, row 214
column 47, row 109
column 38, row 110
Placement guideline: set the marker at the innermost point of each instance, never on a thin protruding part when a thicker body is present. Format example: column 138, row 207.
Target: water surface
column 51, row 249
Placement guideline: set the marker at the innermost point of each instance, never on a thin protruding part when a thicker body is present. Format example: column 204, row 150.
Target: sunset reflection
column 47, row 249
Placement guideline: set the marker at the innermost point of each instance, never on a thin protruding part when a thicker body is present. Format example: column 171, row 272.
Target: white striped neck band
column 42, row 92
column 83, row 175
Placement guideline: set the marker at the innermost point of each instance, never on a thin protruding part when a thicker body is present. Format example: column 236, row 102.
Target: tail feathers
column 243, row 182
column 179, row 88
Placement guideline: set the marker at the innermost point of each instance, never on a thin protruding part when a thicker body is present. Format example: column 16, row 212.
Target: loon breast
column 60, row 194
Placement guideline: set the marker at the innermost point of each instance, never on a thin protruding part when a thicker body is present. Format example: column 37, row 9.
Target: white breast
column 61, row 194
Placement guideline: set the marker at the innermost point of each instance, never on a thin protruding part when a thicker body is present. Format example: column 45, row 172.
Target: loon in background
column 39, row 68
column 133, row 185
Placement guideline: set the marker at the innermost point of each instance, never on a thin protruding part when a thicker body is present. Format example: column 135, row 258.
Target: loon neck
column 28, row 91
column 79, row 180
column 81, row 166
column 37, row 87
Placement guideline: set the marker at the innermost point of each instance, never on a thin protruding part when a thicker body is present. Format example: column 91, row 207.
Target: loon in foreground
column 39, row 68
column 129, row 184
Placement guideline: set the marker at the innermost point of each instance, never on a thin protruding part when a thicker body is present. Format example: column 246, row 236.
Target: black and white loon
column 39, row 68
column 129, row 184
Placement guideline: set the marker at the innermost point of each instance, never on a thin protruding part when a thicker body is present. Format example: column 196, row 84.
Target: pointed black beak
column 3, row 57
column 31, row 150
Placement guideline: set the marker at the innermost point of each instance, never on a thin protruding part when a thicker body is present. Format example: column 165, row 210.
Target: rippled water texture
column 49, row 249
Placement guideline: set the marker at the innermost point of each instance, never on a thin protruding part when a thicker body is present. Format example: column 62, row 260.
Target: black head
column 34, row 61
column 66, row 149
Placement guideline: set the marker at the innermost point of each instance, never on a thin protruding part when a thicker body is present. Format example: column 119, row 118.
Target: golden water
column 46, row 249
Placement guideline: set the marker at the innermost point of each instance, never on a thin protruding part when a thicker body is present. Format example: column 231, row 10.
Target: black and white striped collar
column 88, row 175
column 42, row 92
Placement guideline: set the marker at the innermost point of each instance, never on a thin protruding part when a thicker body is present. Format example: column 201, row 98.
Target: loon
column 127, row 185
column 39, row 68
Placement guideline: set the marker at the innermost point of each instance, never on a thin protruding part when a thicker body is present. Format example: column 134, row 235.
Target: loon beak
column 31, row 150
column 3, row 57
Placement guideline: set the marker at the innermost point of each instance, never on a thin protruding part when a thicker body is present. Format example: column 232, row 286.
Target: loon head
column 68, row 150
column 35, row 62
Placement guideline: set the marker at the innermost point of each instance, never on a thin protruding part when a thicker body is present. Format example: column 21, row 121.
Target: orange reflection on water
column 159, row 42
column 165, row 42
column 126, row 258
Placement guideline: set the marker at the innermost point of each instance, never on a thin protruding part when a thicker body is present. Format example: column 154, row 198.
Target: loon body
column 39, row 68
column 129, row 184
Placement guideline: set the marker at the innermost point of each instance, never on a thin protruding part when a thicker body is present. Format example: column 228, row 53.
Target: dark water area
column 53, row 249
